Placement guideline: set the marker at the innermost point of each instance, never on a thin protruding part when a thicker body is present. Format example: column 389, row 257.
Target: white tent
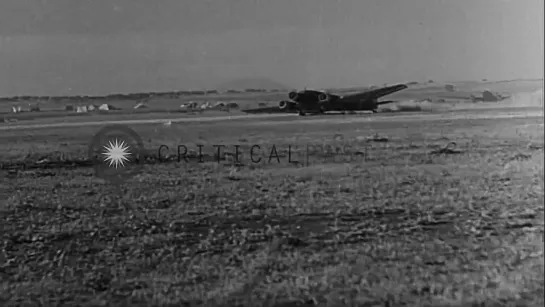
column 488, row 96
column 104, row 107
column 81, row 109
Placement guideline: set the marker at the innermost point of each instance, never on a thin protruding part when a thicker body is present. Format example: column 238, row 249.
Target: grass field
column 390, row 223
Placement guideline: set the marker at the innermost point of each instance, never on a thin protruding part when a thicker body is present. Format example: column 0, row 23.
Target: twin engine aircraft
column 319, row 102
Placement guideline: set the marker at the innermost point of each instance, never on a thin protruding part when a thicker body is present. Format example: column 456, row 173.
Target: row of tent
column 78, row 109
column 31, row 108
column 90, row 108
column 208, row 105
column 141, row 105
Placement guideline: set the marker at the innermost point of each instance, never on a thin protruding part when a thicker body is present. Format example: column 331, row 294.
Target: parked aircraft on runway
column 318, row 101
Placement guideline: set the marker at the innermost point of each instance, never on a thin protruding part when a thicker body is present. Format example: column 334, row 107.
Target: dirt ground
column 373, row 214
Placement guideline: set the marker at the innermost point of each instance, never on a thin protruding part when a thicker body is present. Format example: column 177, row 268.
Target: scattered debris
column 535, row 146
column 338, row 137
column 189, row 105
column 10, row 120
column 219, row 104
column 448, row 150
column 520, row 157
column 140, row 105
column 377, row 138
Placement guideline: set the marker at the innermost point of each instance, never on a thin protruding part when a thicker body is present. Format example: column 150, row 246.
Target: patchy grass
column 381, row 223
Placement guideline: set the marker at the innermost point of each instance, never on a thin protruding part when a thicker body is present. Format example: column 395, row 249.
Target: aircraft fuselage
column 315, row 101
column 309, row 102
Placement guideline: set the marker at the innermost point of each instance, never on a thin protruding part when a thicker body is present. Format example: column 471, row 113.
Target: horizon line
column 243, row 91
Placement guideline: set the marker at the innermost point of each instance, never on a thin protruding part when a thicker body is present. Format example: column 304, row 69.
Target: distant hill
column 251, row 83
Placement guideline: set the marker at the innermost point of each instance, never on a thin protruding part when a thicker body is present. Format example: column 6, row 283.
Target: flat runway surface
column 293, row 118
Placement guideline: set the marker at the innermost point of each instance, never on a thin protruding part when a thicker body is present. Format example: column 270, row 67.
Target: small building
column 450, row 88
column 34, row 108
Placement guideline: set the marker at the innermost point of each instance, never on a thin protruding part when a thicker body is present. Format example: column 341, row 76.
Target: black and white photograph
column 272, row 153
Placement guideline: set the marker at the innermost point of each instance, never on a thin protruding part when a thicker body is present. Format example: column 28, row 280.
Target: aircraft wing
column 376, row 93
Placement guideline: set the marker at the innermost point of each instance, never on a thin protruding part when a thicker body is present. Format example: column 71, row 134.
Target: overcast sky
column 62, row 47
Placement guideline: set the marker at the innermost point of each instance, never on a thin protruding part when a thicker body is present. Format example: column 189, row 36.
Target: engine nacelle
column 293, row 95
column 284, row 105
column 323, row 97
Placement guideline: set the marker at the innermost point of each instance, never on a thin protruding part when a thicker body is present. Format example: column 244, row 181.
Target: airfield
column 432, row 203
